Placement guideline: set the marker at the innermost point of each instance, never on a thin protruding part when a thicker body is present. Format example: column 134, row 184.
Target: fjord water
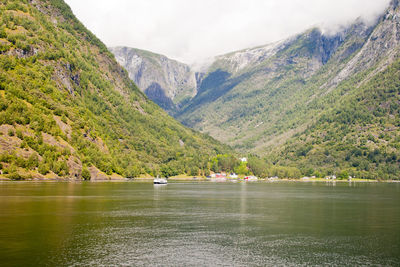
column 199, row 224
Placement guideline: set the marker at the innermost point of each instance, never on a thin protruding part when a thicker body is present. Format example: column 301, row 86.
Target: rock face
column 97, row 175
column 378, row 51
column 167, row 82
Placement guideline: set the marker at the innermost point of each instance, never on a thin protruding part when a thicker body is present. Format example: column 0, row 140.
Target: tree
column 33, row 161
column 194, row 171
column 242, row 169
column 343, row 175
column 168, row 171
column 85, row 174
column 257, row 166
column 43, row 168
column 132, row 171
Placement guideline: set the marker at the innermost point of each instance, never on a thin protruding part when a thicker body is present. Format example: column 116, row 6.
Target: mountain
column 313, row 101
column 167, row 82
column 67, row 109
column 357, row 136
column 317, row 102
column 249, row 97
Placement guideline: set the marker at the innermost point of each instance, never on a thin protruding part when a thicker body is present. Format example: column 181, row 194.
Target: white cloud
column 191, row 31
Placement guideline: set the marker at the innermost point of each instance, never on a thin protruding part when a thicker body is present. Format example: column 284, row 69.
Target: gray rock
column 165, row 81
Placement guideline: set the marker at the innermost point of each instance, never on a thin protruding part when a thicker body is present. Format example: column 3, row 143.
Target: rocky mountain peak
column 165, row 81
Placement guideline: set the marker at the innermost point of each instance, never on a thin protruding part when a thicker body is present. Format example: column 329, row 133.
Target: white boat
column 160, row 181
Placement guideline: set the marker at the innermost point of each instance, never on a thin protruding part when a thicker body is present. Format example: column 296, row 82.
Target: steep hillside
column 249, row 98
column 358, row 136
column 67, row 109
column 167, row 82
column 256, row 98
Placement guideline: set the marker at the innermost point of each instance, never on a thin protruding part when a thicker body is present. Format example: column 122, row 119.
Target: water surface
column 199, row 224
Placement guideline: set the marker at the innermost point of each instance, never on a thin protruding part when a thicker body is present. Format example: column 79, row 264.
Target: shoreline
column 202, row 179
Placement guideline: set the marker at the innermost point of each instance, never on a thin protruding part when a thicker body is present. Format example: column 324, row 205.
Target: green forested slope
column 67, row 109
column 359, row 136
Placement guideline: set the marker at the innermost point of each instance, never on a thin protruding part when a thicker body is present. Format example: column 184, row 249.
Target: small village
column 232, row 177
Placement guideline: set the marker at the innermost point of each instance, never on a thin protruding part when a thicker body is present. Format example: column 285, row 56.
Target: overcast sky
column 194, row 30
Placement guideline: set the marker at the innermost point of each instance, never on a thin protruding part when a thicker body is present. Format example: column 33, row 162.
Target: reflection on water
column 192, row 224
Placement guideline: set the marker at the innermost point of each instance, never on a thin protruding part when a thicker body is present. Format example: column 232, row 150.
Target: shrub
column 19, row 134
column 60, row 168
column 33, row 161
column 343, row 175
column 85, row 174
column 43, row 168
column 132, row 172
column 15, row 176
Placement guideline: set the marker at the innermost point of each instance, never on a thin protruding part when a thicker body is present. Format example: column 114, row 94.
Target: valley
column 314, row 104
column 312, row 101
